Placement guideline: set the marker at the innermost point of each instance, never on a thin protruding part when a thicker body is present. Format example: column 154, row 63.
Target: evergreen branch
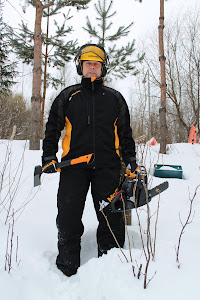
column 7, row 68
column 122, row 31
column 79, row 4
column 91, row 30
column 61, row 31
column 48, row 4
column 56, row 5
column 21, row 43
column 102, row 11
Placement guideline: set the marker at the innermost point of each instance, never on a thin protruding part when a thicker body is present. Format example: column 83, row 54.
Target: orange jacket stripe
column 75, row 93
column 116, row 139
column 67, row 139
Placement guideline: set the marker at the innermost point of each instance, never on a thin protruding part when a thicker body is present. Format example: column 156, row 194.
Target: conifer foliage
column 57, row 46
column 7, row 69
column 29, row 47
column 120, row 57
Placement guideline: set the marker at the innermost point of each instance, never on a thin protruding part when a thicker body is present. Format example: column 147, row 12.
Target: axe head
column 37, row 175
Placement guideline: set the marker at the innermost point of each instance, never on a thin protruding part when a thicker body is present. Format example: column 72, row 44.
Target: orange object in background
column 153, row 142
column 193, row 135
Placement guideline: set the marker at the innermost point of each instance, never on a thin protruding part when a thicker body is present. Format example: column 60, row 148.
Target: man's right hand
column 48, row 166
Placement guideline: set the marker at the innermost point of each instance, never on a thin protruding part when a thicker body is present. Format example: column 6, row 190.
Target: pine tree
column 7, row 69
column 121, row 62
column 28, row 46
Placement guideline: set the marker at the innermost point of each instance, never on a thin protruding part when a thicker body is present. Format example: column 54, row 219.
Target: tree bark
column 45, row 80
column 37, row 75
column 162, row 110
column 129, row 217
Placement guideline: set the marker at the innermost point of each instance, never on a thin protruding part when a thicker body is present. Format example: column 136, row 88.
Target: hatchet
column 89, row 158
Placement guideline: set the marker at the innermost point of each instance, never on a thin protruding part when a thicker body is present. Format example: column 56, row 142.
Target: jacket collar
column 88, row 84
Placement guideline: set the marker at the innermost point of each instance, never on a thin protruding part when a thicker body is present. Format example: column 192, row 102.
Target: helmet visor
column 92, row 53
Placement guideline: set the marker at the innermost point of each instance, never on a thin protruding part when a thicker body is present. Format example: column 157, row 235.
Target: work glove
column 48, row 164
column 132, row 166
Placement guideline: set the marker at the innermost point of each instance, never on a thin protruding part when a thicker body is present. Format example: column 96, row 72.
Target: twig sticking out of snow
column 108, row 224
column 9, row 247
column 187, row 222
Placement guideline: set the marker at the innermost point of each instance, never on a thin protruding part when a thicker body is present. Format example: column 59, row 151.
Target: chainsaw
column 133, row 191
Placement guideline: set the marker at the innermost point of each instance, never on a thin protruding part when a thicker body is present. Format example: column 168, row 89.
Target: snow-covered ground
column 35, row 276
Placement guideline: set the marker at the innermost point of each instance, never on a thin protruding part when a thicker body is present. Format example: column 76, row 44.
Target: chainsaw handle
column 120, row 203
column 134, row 174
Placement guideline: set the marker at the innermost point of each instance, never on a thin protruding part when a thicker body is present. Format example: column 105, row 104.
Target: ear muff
column 79, row 69
column 78, row 63
column 104, row 71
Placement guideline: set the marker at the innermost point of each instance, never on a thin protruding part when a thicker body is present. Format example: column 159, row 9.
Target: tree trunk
column 129, row 217
column 37, row 74
column 45, row 80
column 162, row 110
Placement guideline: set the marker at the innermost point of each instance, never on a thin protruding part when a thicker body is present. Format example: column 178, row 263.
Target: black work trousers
column 73, row 188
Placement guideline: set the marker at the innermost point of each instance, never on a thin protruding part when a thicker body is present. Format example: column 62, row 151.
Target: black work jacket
column 97, row 121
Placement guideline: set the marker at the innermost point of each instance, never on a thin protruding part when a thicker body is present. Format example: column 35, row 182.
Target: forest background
column 141, row 91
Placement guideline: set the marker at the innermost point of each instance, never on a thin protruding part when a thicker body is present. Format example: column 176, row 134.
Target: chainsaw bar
column 117, row 204
column 152, row 193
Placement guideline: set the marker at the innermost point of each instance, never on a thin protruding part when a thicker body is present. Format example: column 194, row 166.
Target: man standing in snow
column 97, row 121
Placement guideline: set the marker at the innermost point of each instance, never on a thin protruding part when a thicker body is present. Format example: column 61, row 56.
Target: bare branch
column 187, row 222
column 108, row 224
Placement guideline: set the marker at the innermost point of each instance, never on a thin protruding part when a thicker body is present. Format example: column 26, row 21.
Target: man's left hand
column 133, row 166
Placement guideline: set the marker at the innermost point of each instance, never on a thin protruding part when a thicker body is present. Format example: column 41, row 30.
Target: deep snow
column 35, row 275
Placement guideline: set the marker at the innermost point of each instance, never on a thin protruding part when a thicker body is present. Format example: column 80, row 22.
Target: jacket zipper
column 88, row 114
column 93, row 110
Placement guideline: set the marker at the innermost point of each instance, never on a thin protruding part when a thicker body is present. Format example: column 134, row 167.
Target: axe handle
column 65, row 163
column 85, row 158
